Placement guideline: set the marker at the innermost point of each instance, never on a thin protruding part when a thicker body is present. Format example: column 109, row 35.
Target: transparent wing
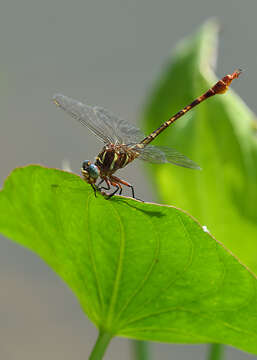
column 85, row 115
column 107, row 127
column 163, row 154
column 123, row 131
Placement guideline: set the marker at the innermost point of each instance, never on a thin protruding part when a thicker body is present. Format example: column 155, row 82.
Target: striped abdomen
column 219, row 88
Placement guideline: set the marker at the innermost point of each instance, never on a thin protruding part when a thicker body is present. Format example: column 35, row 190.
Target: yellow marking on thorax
column 103, row 157
column 98, row 158
column 113, row 161
column 126, row 161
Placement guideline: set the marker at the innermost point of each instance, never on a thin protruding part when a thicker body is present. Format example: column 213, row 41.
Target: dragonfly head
column 90, row 171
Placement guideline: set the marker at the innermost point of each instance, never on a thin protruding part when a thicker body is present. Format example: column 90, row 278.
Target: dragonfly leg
column 120, row 181
column 118, row 187
column 94, row 188
column 100, row 183
column 107, row 183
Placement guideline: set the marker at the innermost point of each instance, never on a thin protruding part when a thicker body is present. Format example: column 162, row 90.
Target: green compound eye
column 124, row 142
column 85, row 165
column 93, row 171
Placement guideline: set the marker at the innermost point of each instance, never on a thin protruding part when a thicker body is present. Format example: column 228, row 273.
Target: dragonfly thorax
column 90, row 171
column 114, row 157
column 124, row 142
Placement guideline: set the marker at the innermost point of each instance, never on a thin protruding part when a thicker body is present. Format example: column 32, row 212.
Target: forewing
column 87, row 116
column 123, row 131
column 163, row 154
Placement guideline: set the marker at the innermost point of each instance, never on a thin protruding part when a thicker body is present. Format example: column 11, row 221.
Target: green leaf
column 139, row 270
column 219, row 137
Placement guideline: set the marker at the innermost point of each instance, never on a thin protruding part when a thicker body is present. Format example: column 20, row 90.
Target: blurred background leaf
column 139, row 270
column 106, row 53
column 219, row 137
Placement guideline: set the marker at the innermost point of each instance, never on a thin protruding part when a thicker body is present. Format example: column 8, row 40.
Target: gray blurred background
column 107, row 53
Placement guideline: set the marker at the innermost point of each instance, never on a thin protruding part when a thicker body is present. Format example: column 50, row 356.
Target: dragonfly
column 123, row 142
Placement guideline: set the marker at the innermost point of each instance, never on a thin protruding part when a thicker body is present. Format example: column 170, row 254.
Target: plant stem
column 100, row 346
column 140, row 350
column 215, row 352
